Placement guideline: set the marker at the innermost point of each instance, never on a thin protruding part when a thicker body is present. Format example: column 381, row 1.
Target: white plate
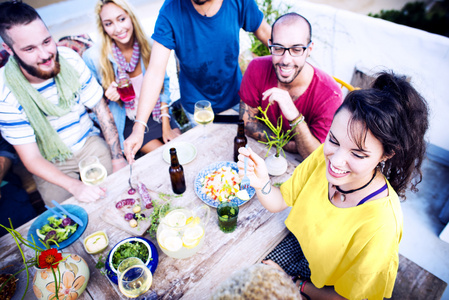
column 186, row 152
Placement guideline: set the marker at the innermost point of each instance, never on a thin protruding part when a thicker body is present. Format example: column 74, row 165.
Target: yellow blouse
column 353, row 249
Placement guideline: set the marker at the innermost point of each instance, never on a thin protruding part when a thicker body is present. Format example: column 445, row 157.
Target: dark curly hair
column 397, row 115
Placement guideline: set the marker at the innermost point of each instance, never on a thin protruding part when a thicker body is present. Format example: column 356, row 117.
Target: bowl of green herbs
column 138, row 247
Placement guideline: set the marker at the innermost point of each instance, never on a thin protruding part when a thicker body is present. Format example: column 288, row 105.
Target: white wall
column 344, row 40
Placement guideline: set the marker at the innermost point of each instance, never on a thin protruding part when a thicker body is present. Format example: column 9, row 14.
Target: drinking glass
column 203, row 114
column 92, row 172
column 227, row 216
column 125, row 89
column 134, row 278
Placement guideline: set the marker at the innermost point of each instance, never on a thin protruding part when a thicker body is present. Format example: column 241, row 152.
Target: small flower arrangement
column 48, row 258
column 280, row 138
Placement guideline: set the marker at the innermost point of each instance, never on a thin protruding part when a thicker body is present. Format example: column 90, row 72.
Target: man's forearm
column 253, row 127
column 108, row 128
column 305, row 141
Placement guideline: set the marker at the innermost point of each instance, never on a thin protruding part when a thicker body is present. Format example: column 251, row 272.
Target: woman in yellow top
column 346, row 218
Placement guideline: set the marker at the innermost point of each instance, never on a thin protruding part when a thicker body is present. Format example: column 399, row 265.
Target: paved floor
column 420, row 242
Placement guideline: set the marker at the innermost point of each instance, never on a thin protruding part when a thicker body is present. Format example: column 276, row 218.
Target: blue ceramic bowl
column 151, row 263
column 43, row 219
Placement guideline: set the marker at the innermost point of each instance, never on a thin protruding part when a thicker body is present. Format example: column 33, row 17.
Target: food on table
column 133, row 223
column 222, row 184
column 96, row 242
column 129, row 216
column 131, row 191
column 146, row 198
column 57, row 230
column 128, row 249
column 125, row 203
column 132, row 210
column 242, row 195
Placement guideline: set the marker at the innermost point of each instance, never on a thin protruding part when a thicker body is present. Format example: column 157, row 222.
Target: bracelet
column 165, row 106
column 299, row 119
column 269, row 185
column 302, row 286
column 144, row 124
column 165, row 115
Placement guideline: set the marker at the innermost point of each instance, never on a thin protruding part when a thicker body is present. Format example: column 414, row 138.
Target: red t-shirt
column 318, row 103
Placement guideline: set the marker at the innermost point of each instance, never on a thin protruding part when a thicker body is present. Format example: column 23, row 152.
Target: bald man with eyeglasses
column 302, row 94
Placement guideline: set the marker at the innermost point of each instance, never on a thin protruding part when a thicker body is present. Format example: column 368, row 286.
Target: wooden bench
column 415, row 283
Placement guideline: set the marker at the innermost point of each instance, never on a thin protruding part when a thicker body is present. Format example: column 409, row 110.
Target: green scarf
column 37, row 107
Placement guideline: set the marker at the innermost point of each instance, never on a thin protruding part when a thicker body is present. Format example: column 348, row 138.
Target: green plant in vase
column 43, row 258
column 279, row 138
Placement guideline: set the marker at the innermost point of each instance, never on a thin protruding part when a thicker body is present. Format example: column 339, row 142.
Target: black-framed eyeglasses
column 294, row 51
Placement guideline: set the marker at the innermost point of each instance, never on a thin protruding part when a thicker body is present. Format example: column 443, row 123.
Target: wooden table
column 258, row 231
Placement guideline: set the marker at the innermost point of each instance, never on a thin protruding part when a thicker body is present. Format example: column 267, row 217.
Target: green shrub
column 416, row 15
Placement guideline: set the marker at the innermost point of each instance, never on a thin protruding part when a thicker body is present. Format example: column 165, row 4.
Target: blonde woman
column 124, row 49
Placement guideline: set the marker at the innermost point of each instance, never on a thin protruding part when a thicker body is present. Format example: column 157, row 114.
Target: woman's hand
column 134, row 142
column 111, row 93
column 256, row 169
column 169, row 134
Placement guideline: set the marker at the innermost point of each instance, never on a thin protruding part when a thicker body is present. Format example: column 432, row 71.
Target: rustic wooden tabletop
column 258, row 231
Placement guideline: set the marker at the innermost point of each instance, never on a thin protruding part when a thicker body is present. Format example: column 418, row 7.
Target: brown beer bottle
column 176, row 171
column 240, row 140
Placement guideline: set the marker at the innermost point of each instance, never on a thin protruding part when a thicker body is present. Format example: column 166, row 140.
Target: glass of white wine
column 203, row 114
column 134, row 278
column 92, row 172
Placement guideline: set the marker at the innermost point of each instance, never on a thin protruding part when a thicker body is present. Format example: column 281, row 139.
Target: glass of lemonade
column 181, row 232
column 227, row 216
column 134, row 278
column 203, row 114
column 92, row 172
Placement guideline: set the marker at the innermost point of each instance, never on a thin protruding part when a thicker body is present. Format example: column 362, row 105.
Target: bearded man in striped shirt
column 44, row 92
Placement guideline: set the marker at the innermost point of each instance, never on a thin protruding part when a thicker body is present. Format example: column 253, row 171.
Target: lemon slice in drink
column 193, row 233
column 166, row 233
column 242, row 195
column 172, row 243
column 176, row 219
column 189, row 244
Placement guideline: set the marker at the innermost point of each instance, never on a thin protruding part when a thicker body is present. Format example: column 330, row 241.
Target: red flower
column 49, row 258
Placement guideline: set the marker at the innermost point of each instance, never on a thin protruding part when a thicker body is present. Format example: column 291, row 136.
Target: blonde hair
column 106, row 70
column 257, row 282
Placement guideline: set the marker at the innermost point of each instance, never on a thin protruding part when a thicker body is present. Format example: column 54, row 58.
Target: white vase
column 276, row 165
column 73, row 276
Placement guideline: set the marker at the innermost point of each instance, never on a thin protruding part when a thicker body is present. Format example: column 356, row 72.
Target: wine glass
column 92, row 172
column 203, row 114
column 134, row 278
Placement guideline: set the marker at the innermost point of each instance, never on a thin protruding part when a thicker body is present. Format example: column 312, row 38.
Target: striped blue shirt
column 73, row 128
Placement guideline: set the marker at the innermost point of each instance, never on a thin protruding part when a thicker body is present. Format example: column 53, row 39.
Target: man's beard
column 36, row 72
column 288, row 80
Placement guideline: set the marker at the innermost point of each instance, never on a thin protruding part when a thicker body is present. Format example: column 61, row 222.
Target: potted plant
column 276, row 164
column 58, row 275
